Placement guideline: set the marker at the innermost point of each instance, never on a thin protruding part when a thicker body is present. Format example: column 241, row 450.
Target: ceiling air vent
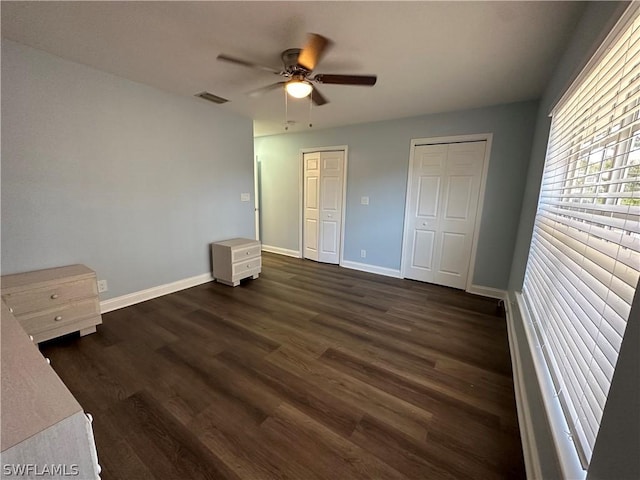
column 211, row 97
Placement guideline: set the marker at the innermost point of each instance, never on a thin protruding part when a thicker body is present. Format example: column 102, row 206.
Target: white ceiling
column 429, row 56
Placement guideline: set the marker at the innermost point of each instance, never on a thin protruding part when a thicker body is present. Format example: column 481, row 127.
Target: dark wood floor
column 310, row 372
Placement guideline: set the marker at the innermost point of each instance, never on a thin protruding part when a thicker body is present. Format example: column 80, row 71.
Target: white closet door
column 311, row 192
column 323, row 192
column 444, row 192
column 331, row 175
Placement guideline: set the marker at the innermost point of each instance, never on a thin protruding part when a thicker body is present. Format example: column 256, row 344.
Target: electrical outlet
column 363, row 254
column 364, row 200
column 102, row 286
column 245, row 197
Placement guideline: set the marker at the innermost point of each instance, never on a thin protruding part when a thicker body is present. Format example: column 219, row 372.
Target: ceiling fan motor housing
column 290, row 60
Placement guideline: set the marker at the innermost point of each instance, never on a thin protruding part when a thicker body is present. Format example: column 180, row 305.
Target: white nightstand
column 236, row 259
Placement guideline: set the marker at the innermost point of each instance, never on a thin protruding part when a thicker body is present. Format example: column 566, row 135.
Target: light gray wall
column 378, row 167
column 616, row 451
column 129, row 180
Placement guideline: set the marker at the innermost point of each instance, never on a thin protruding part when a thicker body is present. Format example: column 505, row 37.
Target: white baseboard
column 365, row 267
column 153, row 292
column 281, row 251
column 489, row 292
column 525, row 421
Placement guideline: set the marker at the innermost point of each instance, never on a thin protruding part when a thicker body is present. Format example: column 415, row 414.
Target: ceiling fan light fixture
column 298, row 88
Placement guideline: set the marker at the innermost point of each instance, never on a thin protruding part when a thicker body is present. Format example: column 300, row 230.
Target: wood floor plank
column 324, row 450
column 235, row 437
column 225, row 381
column 434, row 459
column 237, row 334
column 314, row 401
column 117, row 457
column 165, row 446
column 443, row 385
column 475, row 441
column 405, row 416
column 310, row 372
column 419, row 395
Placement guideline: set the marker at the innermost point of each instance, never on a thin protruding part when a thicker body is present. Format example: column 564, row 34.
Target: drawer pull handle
column 54, row 296
column 58, row 318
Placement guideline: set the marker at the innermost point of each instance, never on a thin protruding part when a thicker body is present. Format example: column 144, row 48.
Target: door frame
column 256, row 196
column 479, row 137
column 336, row 148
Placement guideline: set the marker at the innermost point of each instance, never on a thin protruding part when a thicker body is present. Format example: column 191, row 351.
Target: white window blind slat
column 563, row 312
column 591, row 271
column 584, row 258
column 578, row 314
column 585, row 117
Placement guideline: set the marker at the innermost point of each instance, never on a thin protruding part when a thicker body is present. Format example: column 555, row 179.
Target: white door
column 311, row 192
column 444, row 192
column 323, row 189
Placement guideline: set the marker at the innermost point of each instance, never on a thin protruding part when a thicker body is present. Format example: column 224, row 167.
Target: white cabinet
column 236, row 259
column 54, row 302
column 45, row 433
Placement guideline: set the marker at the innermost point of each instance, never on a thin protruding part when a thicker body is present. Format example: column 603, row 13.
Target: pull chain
column 310, row 105
column 286, row 110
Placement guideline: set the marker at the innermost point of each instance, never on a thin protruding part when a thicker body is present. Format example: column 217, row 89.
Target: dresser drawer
column 242, row 268
column 37, row 299
column 241, row 254
column 70, row 313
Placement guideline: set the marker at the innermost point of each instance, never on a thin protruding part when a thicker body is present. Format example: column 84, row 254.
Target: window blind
column 584, row 258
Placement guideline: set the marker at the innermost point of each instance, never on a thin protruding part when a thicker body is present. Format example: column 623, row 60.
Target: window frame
column 569, row 457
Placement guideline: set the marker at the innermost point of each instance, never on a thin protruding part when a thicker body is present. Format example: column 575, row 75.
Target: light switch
column 245, row 197
column 364, row 200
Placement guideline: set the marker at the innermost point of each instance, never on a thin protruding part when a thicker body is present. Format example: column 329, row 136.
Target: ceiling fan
column 298, row 66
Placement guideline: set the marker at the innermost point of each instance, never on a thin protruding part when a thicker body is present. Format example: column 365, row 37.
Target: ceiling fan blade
column 366, row 80
column 261, row 91
column 245, row 63
column 317, row 97
column 313, row 51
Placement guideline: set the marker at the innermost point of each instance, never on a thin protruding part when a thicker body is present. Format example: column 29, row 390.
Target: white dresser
column 53, row 302
column 236, row 259
column 45, row 433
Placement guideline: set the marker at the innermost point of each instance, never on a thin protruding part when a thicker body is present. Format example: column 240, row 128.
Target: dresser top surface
column 238, row 242
column 38, row 277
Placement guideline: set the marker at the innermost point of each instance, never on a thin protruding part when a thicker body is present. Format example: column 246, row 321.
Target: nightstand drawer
column 240, row 254
column 246, row 266
column 50, row 296
column 70, row 313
